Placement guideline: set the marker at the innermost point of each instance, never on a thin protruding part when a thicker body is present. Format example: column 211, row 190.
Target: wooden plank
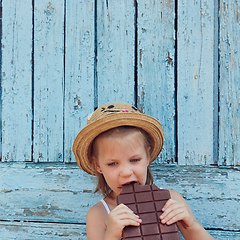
column 63, row 193
column 24, row 230
column 79, row 84
column 16, row 80
column 156, row 80
column 69, row 231
column 211, row 197
column 229, row 82
column 45, row 193
column 195, row 81
column 48, row 80
column 115, row 51
column 223, row 235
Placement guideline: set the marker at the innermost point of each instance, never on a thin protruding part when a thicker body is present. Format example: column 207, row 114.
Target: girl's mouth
column 131, row 182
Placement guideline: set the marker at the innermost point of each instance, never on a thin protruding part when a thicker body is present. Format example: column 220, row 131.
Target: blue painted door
column 176, row 60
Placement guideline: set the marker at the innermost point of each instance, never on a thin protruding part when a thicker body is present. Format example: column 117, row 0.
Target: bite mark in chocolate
column 147, row 202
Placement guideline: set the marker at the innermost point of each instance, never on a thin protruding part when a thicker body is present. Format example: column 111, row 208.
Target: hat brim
column 86, row 136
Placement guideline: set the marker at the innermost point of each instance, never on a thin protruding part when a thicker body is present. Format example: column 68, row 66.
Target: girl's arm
column 177, row 210
column 96, row 224
column 109, row 227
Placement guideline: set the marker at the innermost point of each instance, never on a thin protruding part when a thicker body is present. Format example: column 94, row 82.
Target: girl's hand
column 118, row 218
column 177, row 211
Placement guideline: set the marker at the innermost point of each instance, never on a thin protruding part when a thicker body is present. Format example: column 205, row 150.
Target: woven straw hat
column 110, row 116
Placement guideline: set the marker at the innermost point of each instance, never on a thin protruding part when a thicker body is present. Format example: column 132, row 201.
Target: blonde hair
column 102, row 185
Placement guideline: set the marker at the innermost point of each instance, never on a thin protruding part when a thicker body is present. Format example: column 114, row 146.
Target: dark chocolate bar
column 147, row 202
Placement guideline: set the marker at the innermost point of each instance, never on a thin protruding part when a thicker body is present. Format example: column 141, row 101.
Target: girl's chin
column 117, row 192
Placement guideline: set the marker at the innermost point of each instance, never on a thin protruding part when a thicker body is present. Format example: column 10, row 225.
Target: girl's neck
column 112, row 202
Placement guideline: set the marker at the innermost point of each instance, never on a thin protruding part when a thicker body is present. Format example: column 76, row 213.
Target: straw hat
column 110, row 116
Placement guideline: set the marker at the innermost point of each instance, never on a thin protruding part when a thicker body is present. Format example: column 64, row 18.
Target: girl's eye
column 135, row 160
column 112, row 164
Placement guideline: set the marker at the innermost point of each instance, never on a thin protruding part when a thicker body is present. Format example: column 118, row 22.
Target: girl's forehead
column 130, row 142
column 131, row 137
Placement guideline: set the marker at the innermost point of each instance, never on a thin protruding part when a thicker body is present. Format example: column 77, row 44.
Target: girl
column 117, row 146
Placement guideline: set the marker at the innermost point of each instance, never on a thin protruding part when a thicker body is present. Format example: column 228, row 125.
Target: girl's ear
column 96, row 165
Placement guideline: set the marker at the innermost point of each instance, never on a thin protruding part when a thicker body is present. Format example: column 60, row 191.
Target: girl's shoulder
column 176, row 196
column 97, row 210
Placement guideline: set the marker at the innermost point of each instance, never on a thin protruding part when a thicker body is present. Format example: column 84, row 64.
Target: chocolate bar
column 147, row 202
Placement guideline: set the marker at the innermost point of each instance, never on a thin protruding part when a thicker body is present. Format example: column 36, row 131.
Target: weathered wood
column 223, row 235
column 115, row 51
column 46, row 193
column 155, row 57
column 212, row 193
column 29, row 230
column 24, row 230
column 63, row 193
column 48, row 80
column 79, row 70
column 134, row 48
column 229, row 83
column 195, row 81
column 16, row 80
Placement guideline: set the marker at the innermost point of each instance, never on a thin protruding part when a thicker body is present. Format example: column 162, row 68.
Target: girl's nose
column 126, row 171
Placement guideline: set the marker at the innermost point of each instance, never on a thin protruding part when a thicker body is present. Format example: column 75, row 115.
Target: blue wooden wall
column 178, row 61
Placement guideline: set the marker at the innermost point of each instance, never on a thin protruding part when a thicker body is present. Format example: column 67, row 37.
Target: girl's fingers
column 173, row 212
column 177, row 210
column 125, row 215
column 168, row 204
column 173, row 216
column 121, row 209
column 128, row 222
column 168, row 207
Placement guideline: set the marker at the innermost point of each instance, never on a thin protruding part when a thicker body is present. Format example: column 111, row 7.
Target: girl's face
column 121, row 160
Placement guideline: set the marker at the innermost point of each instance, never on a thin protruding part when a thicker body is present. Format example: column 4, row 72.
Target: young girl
column 117, row 146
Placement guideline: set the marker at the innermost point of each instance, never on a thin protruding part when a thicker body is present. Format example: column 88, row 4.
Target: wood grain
column 156, row 78
column 195, row 82
column 29, row 230
column 229, row 84
column 48, row 80
column 115, row 51
column 79, row 70
column 16, row 89
column 62, row 194
column 58, row 64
